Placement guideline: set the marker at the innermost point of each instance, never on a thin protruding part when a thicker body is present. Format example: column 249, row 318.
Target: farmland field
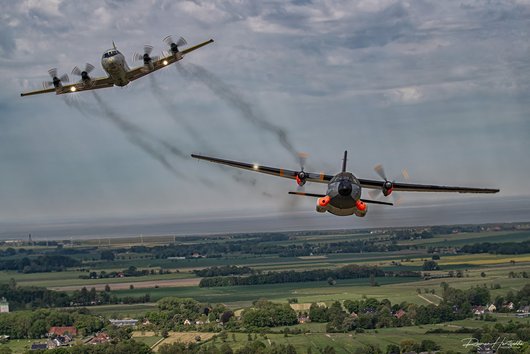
column 499, row 273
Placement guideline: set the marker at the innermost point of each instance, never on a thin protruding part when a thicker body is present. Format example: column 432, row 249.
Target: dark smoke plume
column 237, row 101
column 172, row 110
column 134, row 134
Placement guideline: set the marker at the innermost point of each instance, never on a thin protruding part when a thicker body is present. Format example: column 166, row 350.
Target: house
column 59, row 341
column 187, row 322
column 478, row 310
column 524, row 309
column 39, row 346
column 124, row 323
column 354, row 315
column 492, row 308
column 303, row 319
column 508, row 305
column 4, row 305
column 61, row 331
column 99, row 338
column 400, row 313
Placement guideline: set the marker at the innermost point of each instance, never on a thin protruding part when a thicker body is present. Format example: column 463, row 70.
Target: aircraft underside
column 341, row 211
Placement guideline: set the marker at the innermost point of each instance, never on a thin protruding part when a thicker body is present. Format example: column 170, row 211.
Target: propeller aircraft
column 114, row 64
column 343, row 195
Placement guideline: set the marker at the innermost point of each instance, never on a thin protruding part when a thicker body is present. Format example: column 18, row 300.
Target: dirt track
column 137, row 285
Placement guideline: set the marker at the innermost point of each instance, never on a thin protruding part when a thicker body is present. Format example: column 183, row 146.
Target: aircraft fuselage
column 113, row 62
column 344, row 191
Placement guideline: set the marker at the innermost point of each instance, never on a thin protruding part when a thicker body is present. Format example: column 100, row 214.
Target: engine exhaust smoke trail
column 237, row 101
column 134, row 134
column 171, row 109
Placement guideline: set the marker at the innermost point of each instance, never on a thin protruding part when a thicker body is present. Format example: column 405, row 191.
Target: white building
column 4, row 306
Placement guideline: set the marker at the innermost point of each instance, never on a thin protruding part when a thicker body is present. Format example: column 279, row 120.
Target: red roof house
column 61, row 331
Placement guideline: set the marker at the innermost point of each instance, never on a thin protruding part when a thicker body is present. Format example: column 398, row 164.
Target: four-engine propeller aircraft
column 343, row 196
column 113, row 62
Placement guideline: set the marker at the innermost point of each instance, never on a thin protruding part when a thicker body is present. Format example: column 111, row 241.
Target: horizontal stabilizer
column 308, row 194
column 376, row 202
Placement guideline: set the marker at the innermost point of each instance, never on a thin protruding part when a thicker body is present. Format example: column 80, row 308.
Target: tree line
column 39, row 264
column 351, row 271
column 30, row 297
column 498, row 248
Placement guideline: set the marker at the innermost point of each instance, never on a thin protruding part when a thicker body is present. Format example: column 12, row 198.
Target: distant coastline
column 465, row 211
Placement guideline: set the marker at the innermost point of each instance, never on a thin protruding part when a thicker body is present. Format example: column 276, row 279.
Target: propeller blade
column 181, row 42
column 168, row 40
column 405, row 174
column 380, row 171
column 53, row 72
column 76, row 71
column 302, row 159
column 89, row 67
column 138, row 57
column 148, row 49
column 64, row 78
column 374, row 193
column 47, row 84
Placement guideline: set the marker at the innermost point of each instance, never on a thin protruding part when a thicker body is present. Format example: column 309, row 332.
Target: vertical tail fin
column 344, row 161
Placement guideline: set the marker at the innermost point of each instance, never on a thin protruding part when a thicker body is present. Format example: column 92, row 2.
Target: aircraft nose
column 345, row 188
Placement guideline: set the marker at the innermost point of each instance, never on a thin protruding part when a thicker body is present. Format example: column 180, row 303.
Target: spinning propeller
column 174, row 47
column 388, row 185
column 56, row 81
column 85, row 78
column 301, row 176
column 146, row 57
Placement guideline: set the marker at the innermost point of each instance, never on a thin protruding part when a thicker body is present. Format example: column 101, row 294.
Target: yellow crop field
column 184, row 337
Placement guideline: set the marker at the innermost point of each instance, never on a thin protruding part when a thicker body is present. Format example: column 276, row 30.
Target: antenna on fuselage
column 344, row 161
column 114, row 45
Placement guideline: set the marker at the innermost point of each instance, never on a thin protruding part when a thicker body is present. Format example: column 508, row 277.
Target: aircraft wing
column 280, row 172
column 409, row 187
column 101, row 82
column 140, row 71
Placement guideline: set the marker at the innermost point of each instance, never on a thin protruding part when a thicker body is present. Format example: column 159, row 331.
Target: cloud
column 431, row 86
column 7, row 41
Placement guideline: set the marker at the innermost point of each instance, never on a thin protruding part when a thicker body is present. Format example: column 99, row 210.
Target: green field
column 487, row 270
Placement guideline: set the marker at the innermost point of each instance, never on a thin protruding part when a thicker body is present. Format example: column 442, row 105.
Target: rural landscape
column 448, row 289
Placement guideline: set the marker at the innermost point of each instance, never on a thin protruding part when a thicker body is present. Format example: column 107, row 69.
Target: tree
column 408, row 345
column 430, row 265
column 328, row 350
column 331, row 281
column 368, row 349
column 225, row 349
column 107, row 255
column 225, row 317
column 392, row 349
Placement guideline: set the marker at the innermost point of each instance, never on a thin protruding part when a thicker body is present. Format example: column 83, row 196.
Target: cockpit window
column 110, row 53
column 344, row 176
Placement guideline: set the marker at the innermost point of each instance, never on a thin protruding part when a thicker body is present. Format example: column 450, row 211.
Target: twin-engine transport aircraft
column 343, row 196
column 113, row 62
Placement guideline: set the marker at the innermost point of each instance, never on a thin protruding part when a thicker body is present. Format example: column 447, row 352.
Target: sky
column 440, row 88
